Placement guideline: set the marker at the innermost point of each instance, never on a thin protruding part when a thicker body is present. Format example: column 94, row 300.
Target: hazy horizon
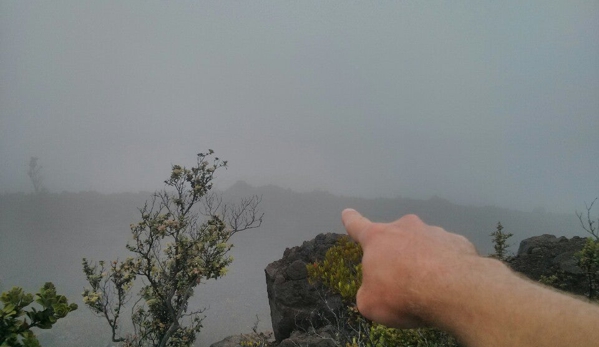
column 477, row 103
column 44, row 237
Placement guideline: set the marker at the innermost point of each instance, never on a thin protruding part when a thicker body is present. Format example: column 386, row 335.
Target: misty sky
column 480, row 103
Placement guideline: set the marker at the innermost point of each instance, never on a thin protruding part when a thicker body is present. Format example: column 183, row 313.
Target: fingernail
column 349, row 210
column 345, row 214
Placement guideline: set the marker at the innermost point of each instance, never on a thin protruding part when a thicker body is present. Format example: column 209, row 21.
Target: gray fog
column 493, row 103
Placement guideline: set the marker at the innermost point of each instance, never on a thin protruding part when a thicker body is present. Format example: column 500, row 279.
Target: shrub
column 341, row 273
column 558, row 280
column 16, row 322
column 588, row 257
column 500, row 242
column 256, row 338
column 341, row 269
column 181, row 241
column 588, row 261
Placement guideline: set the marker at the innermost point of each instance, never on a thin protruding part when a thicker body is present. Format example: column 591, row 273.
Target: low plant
column 588, row 257
column 341, row 273
column 588, row 261
column 256, row 338
column 558, row 280
column 500, row 243
column 17, row 320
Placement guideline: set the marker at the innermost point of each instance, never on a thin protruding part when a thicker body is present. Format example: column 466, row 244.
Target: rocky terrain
column 546, row 256
column 299, row 309
column 44, row 238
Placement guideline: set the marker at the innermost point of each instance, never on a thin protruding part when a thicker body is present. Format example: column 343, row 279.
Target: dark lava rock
column 299, row 310
column 312, row 338
column 230, row 341
column 547, row 255
column 244, row 340
column 296, row 304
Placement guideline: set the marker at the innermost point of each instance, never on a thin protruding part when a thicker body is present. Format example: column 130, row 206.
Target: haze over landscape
column 491, row 103
column 43, row 238
column 464, row 113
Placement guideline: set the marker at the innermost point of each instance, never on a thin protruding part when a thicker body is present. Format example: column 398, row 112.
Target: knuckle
column 411, row 219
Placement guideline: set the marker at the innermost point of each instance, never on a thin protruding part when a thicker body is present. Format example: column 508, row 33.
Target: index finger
column 355, row 224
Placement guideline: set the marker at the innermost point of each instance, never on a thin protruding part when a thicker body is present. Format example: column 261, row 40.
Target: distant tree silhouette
column 35, row 175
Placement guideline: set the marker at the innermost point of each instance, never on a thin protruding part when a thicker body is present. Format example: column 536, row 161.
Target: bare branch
column 211, row 204
column 245, row 215
column 590, row 226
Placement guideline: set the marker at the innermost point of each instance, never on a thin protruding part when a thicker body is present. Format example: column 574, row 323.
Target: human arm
column 416, row 275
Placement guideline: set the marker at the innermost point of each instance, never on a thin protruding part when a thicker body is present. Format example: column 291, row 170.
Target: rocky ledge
column 295, row 303
column 298, row 308
column 547, row 255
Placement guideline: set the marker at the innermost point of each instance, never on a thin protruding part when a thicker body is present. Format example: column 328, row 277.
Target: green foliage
column 500, row 242
column 558, row 280
column 588, row 257
column 16, row 322
column 341, row 269
column 181, row 241
column 256, row 339
column 381, row 336
column 341, row 273
column 588, row 260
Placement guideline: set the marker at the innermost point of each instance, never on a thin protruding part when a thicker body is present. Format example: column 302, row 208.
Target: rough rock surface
column 548, row 255
column 295, row 303
column 241, row 340
column 230, row 341
column 322, row 337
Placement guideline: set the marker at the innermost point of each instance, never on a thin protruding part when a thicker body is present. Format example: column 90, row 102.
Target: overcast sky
column 480, row 103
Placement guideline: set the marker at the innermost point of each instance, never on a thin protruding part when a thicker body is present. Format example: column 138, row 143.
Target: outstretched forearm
column 492, row 306
column 418, row 275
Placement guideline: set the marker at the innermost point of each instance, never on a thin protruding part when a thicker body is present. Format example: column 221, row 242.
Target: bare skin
column 417, row 275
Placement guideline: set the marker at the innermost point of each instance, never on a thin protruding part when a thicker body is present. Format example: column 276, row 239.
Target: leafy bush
column 500, row 242
column 588, row 257
column 341, row 273
column 341, row 269
column 588, row 260
column 181, row 241
column 558, row 280
column 16, row 322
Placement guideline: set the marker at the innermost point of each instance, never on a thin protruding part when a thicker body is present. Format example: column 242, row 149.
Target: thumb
column 355, row 224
